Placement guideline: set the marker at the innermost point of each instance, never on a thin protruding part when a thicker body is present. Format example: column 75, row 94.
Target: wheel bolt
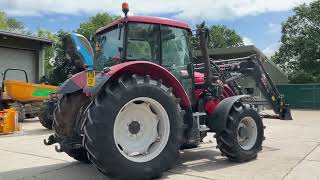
column 158, row 138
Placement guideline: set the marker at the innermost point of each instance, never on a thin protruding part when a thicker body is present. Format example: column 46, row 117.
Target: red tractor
column 143, row 100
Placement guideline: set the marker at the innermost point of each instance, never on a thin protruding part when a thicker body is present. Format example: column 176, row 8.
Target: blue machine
column 79, row 51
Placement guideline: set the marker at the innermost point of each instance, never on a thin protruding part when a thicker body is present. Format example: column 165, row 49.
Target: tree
column 62, row 67
column 14, row 24
column 88, row 29
column 59, row 70
column 3, row 21
column 299, row 52
column 8, row 23
column 49, row 51
column 220, row 37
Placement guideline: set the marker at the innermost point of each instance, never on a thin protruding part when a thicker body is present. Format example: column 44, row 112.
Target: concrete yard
column 291, row 151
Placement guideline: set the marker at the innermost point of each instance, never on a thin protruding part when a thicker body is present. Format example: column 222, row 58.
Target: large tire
column 46, row 113
column 248, row 146
column 65, row 116
column 100, row 129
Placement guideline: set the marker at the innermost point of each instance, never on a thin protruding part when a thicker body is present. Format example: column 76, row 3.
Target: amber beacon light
column 125, row 8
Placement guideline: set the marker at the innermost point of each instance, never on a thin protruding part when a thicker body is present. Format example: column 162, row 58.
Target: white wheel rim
column 141, row 129
column 247, row 133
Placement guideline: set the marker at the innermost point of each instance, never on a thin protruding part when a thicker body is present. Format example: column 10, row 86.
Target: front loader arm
column 252, row 66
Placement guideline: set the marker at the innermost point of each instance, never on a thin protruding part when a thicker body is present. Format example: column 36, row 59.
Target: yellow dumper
column 27, row 92
column 26, row 98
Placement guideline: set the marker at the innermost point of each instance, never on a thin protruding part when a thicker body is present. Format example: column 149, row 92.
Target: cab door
column 176, row 54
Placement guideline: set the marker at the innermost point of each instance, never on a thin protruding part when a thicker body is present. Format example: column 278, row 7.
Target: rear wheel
column 135, row 124
column 29, row 116
column 65, row 117
column 19, row 107
column 242, row 139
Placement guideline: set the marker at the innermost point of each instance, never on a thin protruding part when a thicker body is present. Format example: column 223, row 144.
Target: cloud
column 59, row 19
column 194, row 10
column 247, row 41
column 271, row 49
column 274, row 28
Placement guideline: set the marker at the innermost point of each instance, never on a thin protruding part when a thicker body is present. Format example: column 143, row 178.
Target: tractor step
column 202, row 127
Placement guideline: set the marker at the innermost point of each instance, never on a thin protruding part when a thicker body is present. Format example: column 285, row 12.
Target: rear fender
column 156, row 72
column 78, row 81
column 218, row 119
column 73, row 84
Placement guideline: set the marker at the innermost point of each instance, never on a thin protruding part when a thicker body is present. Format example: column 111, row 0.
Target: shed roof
column 24, row 36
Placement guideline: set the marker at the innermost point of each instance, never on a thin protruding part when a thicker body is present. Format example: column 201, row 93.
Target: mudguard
column 218, row 119
column 78, row 81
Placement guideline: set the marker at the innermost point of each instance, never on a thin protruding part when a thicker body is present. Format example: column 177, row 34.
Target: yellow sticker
column 91, row 78
column 273, row 98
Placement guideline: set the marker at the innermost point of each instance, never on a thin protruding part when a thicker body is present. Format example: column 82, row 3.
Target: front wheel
column 242, row 139
column 135, row 125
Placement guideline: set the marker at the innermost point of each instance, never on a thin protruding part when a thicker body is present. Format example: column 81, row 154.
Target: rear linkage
column 65, row 143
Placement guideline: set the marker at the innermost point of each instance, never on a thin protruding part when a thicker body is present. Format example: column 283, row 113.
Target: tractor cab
column 159, row 40
column 140, row 38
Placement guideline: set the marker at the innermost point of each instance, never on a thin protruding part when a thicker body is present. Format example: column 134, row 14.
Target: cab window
column 175, row 46
column 111, row 46
column 143, row 42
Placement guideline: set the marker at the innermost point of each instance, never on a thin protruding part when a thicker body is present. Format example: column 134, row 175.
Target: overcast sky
column 257, row 21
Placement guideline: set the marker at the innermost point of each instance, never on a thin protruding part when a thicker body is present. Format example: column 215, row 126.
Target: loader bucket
column 286, row 113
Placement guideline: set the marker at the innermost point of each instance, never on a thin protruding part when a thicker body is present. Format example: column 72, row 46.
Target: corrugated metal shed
column 24, row 52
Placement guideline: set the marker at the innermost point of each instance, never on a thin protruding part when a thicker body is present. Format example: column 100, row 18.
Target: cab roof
column 145, row 19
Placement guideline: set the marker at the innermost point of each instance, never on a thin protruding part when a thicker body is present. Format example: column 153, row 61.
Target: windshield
column 143, row 42
column 111, row 46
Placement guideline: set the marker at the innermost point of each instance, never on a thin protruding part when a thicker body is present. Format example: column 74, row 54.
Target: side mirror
column 79, row 50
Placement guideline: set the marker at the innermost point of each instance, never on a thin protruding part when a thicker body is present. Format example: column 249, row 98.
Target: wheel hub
column 141, row 129
column 247, row 133
column 134, row 127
